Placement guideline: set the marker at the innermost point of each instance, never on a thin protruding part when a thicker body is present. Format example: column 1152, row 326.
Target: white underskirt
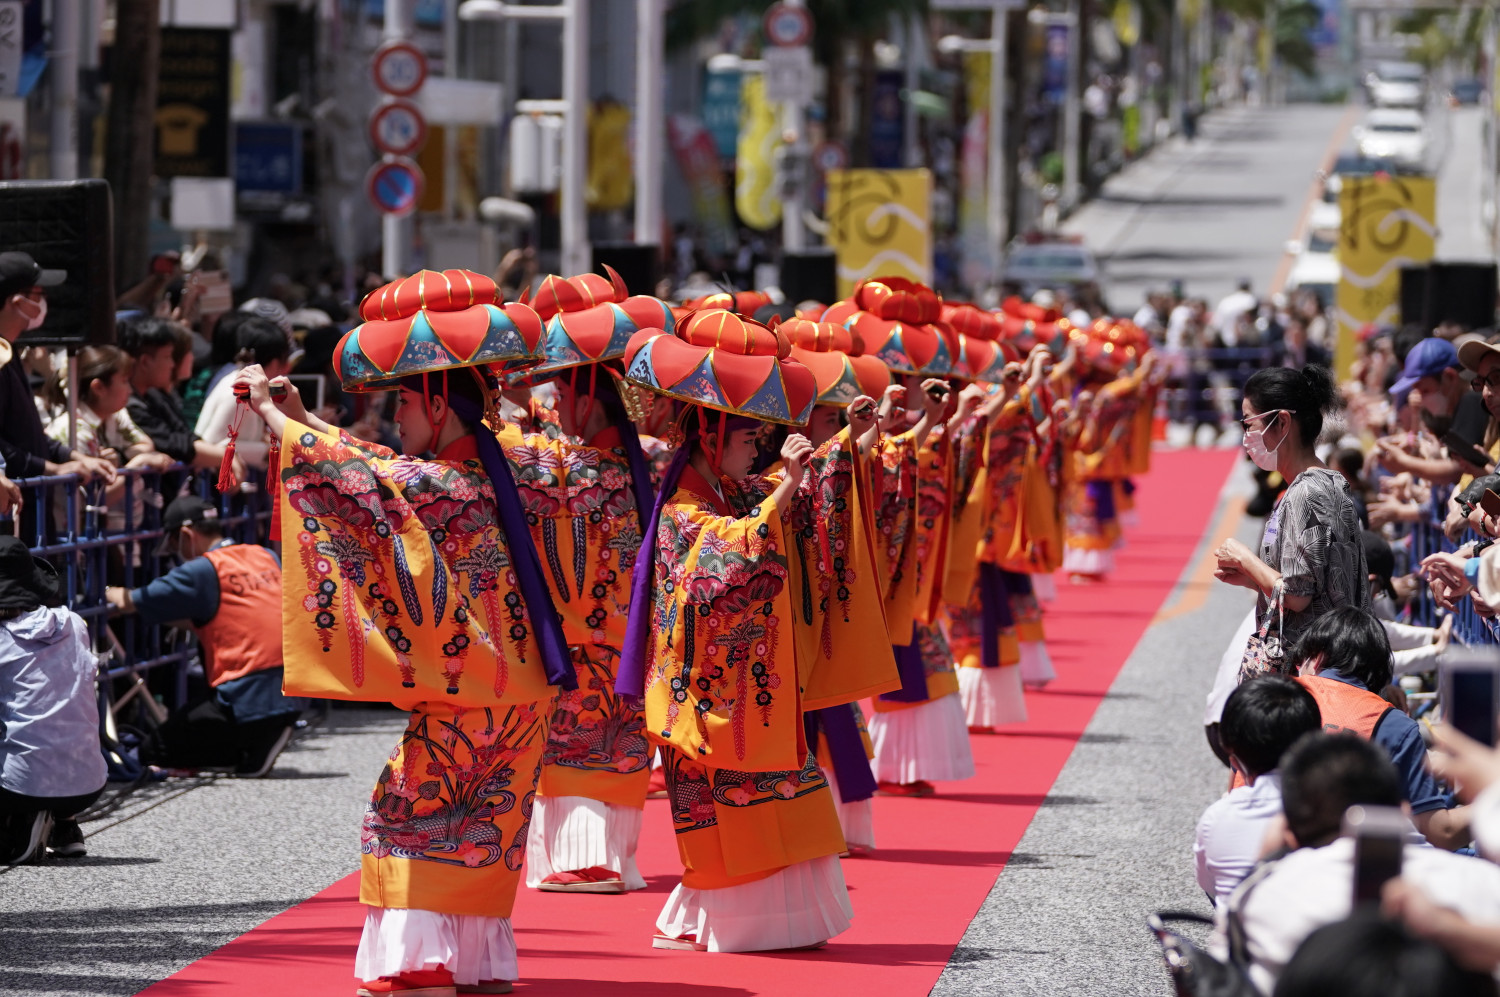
column 929, row 742
column 1079, row 561
column 857, row 819
column 573, row 833
column 1036, row 663
column 1044, row 587
column 800, row 905
column 474, row 949
column 992, row 696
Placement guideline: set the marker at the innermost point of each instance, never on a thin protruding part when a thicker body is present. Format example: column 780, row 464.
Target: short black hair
column 262, row 341
column 1351, row 642
column 1349, row 460
column 1322, row 775
column 147, row 334
column 1368, row 956
column 1264, row 717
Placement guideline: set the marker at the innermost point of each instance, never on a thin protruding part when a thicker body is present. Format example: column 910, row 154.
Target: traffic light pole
column 395, row 230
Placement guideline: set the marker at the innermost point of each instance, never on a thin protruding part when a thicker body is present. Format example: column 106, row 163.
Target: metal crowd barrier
column 69, row 524
column 1205, row 385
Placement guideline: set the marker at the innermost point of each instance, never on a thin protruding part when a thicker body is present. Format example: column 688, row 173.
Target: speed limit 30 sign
column 399, row 68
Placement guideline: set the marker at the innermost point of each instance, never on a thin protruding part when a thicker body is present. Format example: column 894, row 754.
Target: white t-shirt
column 1232, row 832
column 1227, row 315
column 1313, row 887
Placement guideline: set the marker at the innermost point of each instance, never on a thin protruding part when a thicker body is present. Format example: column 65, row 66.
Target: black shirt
column 23, row 440
column 159, row 415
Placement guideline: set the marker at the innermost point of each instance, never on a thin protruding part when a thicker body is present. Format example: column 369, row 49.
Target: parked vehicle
column 1397, row 84
column 1033, row 263
column 1393, row 133
column 1465, row 92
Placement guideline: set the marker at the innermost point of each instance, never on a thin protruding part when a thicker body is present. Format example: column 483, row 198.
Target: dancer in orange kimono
column 751, row 584
column 414, row 581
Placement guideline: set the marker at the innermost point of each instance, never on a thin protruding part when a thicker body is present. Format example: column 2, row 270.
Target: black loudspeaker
column 812, row 275
column 638, row 266
column 1449, row 292
column 66, row 225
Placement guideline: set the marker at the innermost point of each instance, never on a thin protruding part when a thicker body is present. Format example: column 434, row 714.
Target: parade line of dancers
column 730, row 525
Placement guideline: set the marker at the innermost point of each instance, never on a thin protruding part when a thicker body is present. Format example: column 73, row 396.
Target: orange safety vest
column 1346, row 707
column 244, row 636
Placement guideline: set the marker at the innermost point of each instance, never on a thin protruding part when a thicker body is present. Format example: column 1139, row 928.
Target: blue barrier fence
column 93, row 544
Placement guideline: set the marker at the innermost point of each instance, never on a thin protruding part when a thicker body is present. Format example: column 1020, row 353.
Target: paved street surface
column 188, row 865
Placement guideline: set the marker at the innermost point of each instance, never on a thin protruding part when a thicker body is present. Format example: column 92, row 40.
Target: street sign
column 399, row 68
column 830, row 156
column 977, row 4
column 395, row 186
column 397, row 128
column 787, row 26
column 789, row 74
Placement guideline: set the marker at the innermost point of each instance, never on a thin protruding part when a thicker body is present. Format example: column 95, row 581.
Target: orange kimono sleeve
column 844, row 651
column 397, row 579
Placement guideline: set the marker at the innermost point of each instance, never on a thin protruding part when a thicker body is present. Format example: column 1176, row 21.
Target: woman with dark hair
column 1311, row 556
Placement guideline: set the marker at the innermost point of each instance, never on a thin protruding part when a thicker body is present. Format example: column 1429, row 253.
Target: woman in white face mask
column 1311, row 557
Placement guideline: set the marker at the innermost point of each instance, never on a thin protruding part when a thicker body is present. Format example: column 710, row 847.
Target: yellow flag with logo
column 611, row 180
column 755, row 195
column 1386, row 223
column 879, row 224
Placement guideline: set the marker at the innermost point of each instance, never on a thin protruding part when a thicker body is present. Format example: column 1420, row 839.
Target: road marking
column 1314, row 192
column 1194, row 591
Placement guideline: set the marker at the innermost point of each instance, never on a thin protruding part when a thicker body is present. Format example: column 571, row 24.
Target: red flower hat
column 589, row 319
column 837, row 361
column 434, row 321
column 724, row 361
column 894, row 316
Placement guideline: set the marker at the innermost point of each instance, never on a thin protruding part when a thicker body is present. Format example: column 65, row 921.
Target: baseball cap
column 19, row 273
column 1379, row 560
column 1428, row 358
column 185, row 510
column 1472, row 352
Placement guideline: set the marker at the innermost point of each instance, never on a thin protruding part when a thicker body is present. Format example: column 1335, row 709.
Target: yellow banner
column 1386, row 224
column 880, row 224
column 755, row 195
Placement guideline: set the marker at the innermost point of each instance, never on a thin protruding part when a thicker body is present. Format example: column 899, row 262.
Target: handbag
column 1265, row 654
column 1195, row 973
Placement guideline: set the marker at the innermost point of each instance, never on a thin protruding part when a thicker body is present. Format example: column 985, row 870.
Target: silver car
column 1032, row 266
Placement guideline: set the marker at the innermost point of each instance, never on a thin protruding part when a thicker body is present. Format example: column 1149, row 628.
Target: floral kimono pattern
column 402, row 570
column 446, row 826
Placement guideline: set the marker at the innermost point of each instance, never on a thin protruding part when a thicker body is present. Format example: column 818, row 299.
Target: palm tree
column 836, row 23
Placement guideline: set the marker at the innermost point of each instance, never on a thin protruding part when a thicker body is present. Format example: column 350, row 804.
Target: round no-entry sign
column 400, row 69
column 787, row 26
column 397, row 128
column 395, row 186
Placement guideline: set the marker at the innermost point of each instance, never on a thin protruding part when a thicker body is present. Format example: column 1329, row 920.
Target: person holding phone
column 1312, row 883
column 1433, row 374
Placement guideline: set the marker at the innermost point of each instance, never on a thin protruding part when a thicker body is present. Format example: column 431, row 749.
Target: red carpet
column 912, row 900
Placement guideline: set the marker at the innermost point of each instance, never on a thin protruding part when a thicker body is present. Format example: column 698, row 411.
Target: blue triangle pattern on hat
column 423, row 350
column 769, row 400
column 702, row 384
column 641, row 370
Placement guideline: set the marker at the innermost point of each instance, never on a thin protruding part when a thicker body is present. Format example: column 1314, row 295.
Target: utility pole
column 130, row 151
column 1071, row 122
column 395, row 230
column 999, row 210
column 650, row 126
column 67, row 29
column 576, row 256
column 793, row 232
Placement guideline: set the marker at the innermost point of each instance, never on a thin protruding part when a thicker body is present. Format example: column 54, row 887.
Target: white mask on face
column 34, row 311
column 1255, row 443
column 1436, row 404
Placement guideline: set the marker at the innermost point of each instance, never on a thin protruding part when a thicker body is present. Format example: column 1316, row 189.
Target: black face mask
column 1438, row 425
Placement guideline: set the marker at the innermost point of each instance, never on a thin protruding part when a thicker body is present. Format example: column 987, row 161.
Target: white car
column 1397, row 84
column 1033, row 265
column 1393, row 133
column 1316, row 268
